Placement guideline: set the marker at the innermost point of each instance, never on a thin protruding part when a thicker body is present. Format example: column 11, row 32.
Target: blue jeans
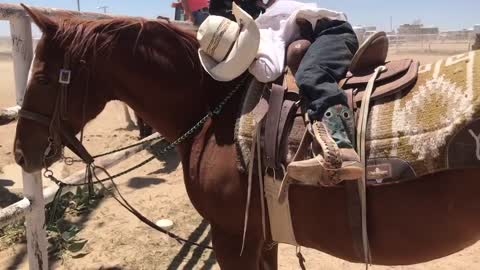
column 199, row 16
column 325, row 63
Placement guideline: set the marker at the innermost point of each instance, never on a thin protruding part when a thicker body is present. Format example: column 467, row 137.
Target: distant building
column 476, row 28
column 417, row 29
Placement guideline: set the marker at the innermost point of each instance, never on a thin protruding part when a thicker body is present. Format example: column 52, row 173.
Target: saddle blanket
column 433, row 126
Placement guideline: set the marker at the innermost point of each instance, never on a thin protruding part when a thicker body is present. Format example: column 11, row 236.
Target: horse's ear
column 43, row 22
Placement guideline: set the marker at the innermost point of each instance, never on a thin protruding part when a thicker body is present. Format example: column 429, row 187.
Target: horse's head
column 80, row 65
column 54, row 107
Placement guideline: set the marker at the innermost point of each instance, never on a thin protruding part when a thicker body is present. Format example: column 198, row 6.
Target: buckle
column 64, row 76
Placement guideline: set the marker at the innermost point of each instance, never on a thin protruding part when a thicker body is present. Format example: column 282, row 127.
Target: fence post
column 22, row 52
column 35, row 222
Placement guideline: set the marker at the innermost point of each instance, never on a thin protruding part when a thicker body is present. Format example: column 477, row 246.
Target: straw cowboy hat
column 227, row 48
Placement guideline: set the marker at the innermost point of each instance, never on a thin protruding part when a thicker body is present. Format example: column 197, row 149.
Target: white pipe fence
column 32, row 206
column 16, row 211
column 22, row 52
column 22, row 44
column 431, row 43
column 448, row 43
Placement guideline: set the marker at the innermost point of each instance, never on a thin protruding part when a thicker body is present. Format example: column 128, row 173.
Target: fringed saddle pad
column 254, row 107
column 247, row 120
column 433, row 126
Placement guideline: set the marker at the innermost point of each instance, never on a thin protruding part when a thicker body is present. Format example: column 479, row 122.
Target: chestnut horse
column 154, row 68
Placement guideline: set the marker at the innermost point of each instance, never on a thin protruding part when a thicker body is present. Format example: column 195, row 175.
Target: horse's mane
column 81, row 37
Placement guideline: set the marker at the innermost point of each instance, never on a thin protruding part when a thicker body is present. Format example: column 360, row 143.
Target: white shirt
column 278, row 29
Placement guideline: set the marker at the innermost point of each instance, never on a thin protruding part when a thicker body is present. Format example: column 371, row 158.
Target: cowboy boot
column 335, row 159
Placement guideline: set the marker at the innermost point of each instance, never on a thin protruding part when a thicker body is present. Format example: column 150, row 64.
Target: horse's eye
column 42, row 79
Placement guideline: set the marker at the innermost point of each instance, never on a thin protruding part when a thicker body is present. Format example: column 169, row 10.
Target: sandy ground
column 117, row 240
column 6, row 81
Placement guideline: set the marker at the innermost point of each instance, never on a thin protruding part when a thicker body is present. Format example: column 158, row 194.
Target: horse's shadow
column 6, row 196
column 171, row 159
column 129, row 127
column 196, row 255
column 143, row 182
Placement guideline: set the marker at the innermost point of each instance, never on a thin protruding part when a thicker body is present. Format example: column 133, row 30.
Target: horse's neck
column 171, row 106
column 171, row 98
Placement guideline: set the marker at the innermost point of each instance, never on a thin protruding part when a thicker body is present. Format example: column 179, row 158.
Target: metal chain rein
column 92, row 167
column 70, row 161
column 49, row 174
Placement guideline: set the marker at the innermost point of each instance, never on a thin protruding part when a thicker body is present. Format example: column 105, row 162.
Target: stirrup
column 330, row 150
column 328, row 169
column 340, row 163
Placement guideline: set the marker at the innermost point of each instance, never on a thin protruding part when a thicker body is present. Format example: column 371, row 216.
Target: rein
column 59, row 137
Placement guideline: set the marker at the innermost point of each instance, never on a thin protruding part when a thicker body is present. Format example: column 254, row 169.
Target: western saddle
column 363, row 83
column 370, row 77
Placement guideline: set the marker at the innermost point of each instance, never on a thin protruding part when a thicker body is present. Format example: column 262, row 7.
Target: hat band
column 217, row 36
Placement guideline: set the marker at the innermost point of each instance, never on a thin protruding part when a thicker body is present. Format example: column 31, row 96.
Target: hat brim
column 242, row 54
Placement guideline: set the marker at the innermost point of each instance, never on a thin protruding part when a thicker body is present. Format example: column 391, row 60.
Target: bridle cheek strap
column 68, row 139
column 53, row 123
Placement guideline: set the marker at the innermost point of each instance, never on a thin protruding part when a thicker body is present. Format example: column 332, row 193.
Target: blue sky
column 446, row 14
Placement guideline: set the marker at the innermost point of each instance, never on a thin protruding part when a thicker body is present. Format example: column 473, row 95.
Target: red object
column 197, row 4
column 177, row 5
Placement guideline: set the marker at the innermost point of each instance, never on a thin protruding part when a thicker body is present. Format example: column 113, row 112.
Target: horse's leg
column 148, row 130
column 144, row 128
column 141, row 127
column 269, row 258
column 227, row 251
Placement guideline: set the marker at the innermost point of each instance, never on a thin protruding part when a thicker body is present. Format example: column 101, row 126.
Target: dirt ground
column 117, row 240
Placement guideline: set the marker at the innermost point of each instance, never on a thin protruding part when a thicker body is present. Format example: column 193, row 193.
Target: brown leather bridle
column 59, row 136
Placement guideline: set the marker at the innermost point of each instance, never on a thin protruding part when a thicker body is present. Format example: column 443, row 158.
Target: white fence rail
column 447, row 43
column 431, row 43
column 22, row 44
column 32, row 207
column 22, row 50
column 17, row 210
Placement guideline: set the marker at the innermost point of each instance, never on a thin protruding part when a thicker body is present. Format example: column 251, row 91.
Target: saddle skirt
column 431, row 126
